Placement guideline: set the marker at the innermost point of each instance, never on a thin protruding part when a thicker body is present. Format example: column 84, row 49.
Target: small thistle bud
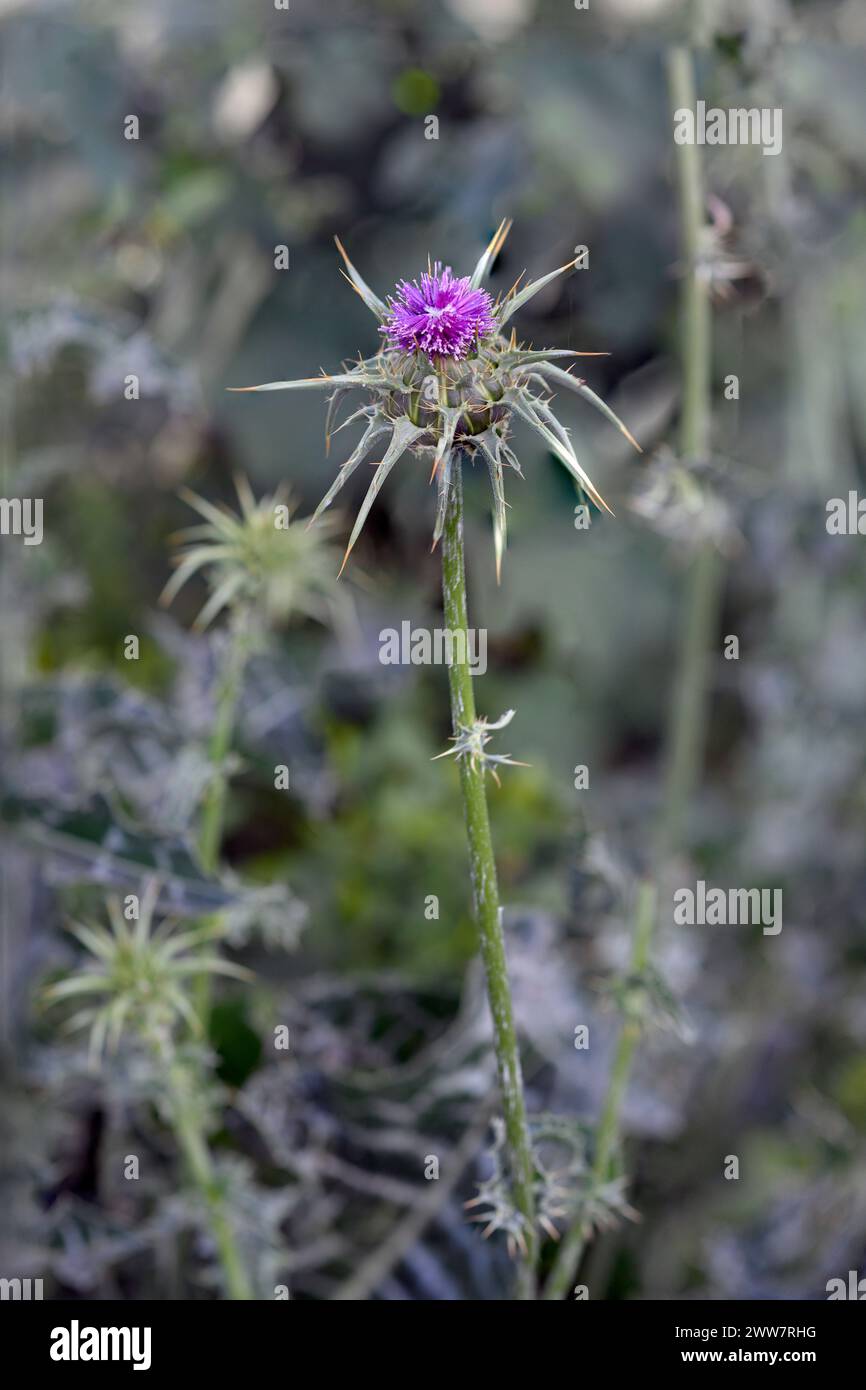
column 471, row 742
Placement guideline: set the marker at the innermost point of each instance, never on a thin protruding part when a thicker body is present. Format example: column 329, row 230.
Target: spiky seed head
column 136, row 977
column 260, row 559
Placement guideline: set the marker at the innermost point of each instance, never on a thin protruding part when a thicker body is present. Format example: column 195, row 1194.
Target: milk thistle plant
column 262, row 568
column 135, row 983
column 446, row 385
column 150, row 983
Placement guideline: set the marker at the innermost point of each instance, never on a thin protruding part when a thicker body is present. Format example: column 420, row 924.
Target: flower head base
column 439, row 315
column 448, row 384
column 259, row 559
column 137, row 976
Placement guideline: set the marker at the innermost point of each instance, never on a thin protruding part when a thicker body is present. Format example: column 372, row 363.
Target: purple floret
column 438, row 315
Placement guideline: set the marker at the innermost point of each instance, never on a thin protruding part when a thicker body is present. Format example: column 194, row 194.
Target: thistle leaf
column 185, row 570
column 306, row 383
column 220, row 517
column 510, row 458
column 544, row 413
column 88, row 982
column 372, row 432
column 443, row 483
column 565, row 379
column 446, row 439
column 99, row 945
column 485, row 262
column 521, row 357
column 494, row 466
column 330, row 413
column 220, row 598
column 530, row 291
column 363, row 411
column 372, row 301
column 404, row 433
column 245, row 496
column 565, row 454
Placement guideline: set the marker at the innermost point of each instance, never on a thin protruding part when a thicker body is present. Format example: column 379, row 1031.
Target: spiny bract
column 448, row 381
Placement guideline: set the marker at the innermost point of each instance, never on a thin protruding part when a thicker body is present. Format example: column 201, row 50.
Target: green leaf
column 566, row 379
column 520, row 357
column 404, row 433
column 443, row 481
column 531, row 290
column 307, row 383
column 565, row 454
column 372, row 432
column 219, row 599
column 500, row 521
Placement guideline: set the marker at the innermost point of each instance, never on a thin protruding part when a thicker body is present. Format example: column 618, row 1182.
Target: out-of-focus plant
column 261, row 568
column 602, row 1192
column 154, row 984
column 447, row 384
column 137, row 983
column 706, row 573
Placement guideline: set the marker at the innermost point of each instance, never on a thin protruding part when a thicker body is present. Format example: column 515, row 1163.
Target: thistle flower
column 449, row 380
column 259, row 557
column 442, row 316
column 137, row 975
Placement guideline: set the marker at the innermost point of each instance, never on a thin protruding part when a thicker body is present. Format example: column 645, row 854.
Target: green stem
column 607, row 1132
column 228, row 694
column 485, row 892
column 188, row 1129
column 213, row 809
column 687, row 730
column 695, row 306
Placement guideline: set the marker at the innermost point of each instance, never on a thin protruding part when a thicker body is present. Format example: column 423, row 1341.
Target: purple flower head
column 439, row 315
column 470, row 413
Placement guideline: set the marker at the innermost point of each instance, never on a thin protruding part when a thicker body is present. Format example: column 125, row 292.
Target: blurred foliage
column 155, row 258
